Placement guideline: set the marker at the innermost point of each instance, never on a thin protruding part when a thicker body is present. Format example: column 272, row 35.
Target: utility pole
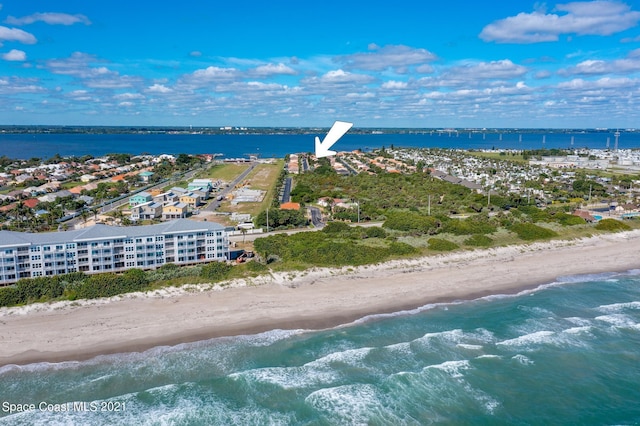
column 267, row 219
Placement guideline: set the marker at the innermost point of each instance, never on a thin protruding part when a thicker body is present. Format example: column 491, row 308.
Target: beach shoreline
column 316, row 299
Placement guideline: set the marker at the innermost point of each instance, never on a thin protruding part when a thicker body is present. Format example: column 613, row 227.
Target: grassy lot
column 225, row 172
column 71, row 184
column 263, row 177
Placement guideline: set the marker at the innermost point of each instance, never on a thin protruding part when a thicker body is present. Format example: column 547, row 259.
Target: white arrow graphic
column 338, row 129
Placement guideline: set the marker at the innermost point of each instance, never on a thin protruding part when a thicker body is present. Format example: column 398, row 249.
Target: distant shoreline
column 316, row 299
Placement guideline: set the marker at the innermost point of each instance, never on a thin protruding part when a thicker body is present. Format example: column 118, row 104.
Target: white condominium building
column 103, row 248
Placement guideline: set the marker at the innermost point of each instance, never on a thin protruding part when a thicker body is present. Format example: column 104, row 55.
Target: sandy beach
column 314, row 299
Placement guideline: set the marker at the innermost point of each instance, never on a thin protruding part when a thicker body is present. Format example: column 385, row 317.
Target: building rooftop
column 101, row 231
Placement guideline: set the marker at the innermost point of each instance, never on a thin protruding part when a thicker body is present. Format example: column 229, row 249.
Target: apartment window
column 9, row 251
column 35, row 249
column 138, row 240
column 150, row 239
column 71, row 246
column 59, row 247
column 46, row 248
column 35, row 257
column 160, row 238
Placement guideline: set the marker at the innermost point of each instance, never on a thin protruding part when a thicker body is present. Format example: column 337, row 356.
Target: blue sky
column 290, row 63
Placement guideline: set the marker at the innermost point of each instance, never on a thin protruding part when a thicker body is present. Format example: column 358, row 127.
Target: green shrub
column 110, row 284
column 412, row 222
column 439, row 244
column 479, row 240
column 468, row 226
column 216, row 271
column 9, row 296
column 569, row 219
column 612, row 225
column 531, row 232
column 375, row 232
column 336, row 228
column 402, row 249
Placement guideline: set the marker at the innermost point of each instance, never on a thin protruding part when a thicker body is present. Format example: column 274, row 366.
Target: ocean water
column 564, row 353
column 266, row 146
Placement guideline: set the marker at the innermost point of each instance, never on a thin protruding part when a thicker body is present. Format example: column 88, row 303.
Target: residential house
column 145, row 176
column 290, row 206
column 140, row 198
column 202, row 184
column 146, row 211
column 204, row 195
column 176, row 210
column 191, row 199
column 166, row 197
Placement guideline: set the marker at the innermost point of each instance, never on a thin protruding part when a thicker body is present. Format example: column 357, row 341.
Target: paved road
column 316, row 217
column 286, row 193
column 214, row 204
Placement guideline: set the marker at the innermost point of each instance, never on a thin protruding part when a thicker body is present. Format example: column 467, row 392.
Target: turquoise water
column 564, row 353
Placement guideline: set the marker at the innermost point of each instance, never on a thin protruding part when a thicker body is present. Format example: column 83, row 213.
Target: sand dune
column 313, row 299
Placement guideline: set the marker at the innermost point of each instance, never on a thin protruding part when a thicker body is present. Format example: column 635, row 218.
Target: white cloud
column 79, row 65
column 397, row 57
column 272, row 69
column 159, row 88
column 598, row 17
column 341, row 77
column 394, row 85
column 15, row 85
column 15, row 55
column 16, row 34
column 50, row 18
column 629, row 64
column 127, row 96
column 210, row 75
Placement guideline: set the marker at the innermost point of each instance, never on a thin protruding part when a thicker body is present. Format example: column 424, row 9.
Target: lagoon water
column 564, row 353
column 44, row 145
